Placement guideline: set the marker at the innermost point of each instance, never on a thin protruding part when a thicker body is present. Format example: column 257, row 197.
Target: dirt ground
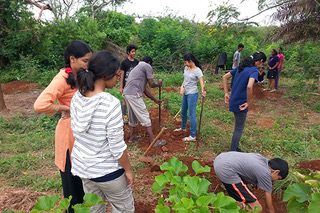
column 20, row 96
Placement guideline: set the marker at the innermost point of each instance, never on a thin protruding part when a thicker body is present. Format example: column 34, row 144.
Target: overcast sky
column 196, row 10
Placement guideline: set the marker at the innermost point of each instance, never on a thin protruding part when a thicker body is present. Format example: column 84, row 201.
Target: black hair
column 240, row 46
column 102, row 64
column 190, row 57
column 131, row 47
column 279, row 164
column 147, row 59
column 275, row 51
column 250, row 61
column 280, row 48
column 77, row 49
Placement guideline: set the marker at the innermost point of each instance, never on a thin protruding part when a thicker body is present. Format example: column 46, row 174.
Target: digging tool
column 144, row 157
column 202, row 101
column 175, row 117
column 160, row 107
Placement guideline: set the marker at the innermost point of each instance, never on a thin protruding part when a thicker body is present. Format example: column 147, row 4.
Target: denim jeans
column 240, row 120
column 189, row 102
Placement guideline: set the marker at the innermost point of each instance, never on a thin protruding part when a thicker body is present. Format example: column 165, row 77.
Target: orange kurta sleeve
column 58, row 90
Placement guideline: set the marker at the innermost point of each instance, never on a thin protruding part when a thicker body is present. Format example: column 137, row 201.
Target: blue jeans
column 189, row 102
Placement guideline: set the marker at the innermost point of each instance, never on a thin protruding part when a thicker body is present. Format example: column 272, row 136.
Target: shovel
column 144, row 157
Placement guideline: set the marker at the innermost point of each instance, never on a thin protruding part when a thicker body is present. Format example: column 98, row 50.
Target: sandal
column 189, row 139
column 266, row 89
column 160, row 143
column 274, row 90
column 178, row 130
column 135, row 139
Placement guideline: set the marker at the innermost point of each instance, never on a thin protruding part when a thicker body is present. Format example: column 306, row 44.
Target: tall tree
column 2, row 103
column 97, row 5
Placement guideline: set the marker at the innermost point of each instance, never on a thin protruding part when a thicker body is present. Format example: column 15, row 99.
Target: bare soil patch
column 312, row 165
column 18, row 86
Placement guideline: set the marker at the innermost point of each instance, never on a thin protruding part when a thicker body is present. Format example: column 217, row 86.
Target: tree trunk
column 2, row 103
column 319, row 84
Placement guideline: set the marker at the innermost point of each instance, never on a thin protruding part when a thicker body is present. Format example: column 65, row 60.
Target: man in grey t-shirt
column 236, row 56
column 133, row 95
column 236, row 169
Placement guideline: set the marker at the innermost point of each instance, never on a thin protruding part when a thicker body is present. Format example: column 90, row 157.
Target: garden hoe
column 146, row 158
column 160, row 107
column 175, row 117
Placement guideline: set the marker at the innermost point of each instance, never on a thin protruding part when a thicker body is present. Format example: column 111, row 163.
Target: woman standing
column 99, row 156
column 189, row 91
column 62, row 89
column 273, row 63
column 244, row 77
column 280, row 66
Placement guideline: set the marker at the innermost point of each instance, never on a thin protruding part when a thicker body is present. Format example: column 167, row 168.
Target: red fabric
column 68, row 70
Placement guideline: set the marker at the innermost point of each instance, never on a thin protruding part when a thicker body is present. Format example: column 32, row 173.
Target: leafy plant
column 304, row 196
column 189, row 193
column 48, row 203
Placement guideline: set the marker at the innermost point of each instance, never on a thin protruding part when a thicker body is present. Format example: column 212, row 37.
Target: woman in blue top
column 244, row 77
column 189, row 91
column 273, row 63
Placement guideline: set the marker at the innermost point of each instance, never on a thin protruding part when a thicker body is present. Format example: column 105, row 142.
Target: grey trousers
column 240, row 120
column 137, row 110
column 116, row 191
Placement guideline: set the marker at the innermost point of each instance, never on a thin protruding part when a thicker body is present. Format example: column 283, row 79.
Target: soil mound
column 17, row 86
column 312, row 165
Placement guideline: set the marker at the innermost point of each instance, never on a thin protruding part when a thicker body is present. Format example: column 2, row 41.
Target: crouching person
column 99, row 156
column 236, row 169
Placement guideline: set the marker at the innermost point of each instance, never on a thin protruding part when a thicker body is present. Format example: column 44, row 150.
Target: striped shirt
column 98, row 130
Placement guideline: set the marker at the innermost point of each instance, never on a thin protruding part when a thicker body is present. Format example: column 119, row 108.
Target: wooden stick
column 160, row 107
column 154, row 141
column 177, row 114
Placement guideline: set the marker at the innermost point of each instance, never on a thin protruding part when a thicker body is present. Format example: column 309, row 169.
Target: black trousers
column 72, row 185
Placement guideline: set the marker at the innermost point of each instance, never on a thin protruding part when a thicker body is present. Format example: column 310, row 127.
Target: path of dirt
column 145, row 201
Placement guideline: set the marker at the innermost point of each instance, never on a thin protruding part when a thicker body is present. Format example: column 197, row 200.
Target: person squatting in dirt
column 189, row 91
column 99, row 156
column 126, row 66
column 236, row 169
column 133, row 92
column 62, row 89
column 244, row 77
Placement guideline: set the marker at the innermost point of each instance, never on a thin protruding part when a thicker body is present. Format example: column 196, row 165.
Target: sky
column 196, row 10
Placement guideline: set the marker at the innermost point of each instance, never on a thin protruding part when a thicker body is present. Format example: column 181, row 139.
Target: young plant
column 181, row 192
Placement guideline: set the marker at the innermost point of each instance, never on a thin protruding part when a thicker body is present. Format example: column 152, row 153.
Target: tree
column 98, row 5
column 2, row 103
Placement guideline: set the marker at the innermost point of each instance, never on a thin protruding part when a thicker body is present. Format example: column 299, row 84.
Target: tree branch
column 46, row 7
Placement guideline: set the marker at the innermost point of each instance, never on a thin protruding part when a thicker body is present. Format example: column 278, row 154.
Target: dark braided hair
column 77, row 49
column 250, row 61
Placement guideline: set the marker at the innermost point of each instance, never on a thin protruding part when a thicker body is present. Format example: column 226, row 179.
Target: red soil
column 17, row 86
column 312, row 165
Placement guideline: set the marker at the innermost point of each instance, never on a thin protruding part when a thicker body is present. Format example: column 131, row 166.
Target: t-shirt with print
column 281, row 58
column 236, row 56
column 138, row 79
column 239, row 87
column 272, row 61
column 234, row 167
column 190, row 80
column 127, row 66
column 260, row 77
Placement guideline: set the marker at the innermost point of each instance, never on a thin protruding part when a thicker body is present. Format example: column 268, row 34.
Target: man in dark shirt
column 126, row 66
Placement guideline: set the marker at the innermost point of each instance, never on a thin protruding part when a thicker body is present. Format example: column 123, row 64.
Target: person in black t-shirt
column 262, row 77
column 126, row 66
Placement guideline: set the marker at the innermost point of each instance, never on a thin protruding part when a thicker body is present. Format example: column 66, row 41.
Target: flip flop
column 160, row 143
column 135, row 139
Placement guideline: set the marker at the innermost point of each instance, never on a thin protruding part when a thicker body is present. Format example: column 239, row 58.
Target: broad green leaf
column 298, row 191
column 8, row 211
column 314, row 205
column 294, row 206
column 157, row 188
column 160, row 201
column 179, row 208
column 57, row 211
column 317, row 176
column 177, row 180
column 174, row 198
column 202, row 210
column 65, row 203
column 187, row 203
column 46, row 203
column 161, row 179
column 83, row 210
column 34, row 211
column 91, row 199
column 196, row 185
column 162, row 209
column 226, row 203
column 169, row 175
column 204, row 200
column 174, row 165
column 198, row 168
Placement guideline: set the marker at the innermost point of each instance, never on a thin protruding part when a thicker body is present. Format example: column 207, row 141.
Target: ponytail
column 71, row 78
column 85, row 81
column 250, row 61
column 190, row 57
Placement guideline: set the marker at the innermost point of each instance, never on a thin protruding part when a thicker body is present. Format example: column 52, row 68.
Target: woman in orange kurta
column 62, row 89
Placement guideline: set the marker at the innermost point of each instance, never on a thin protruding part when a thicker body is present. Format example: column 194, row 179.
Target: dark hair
column 279, row 164
column 102, row 64
column 275, row 51
column 250, row 61
column 131, row 47
column 77, row 49
column 240, row 46
column 280, row 48
column 147, row 59
column 190, row 57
